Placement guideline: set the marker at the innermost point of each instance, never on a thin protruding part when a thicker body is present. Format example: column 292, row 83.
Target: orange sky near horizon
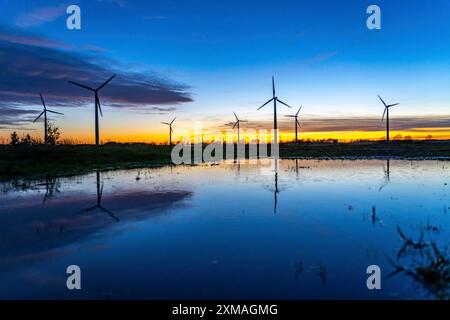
column 160, row 137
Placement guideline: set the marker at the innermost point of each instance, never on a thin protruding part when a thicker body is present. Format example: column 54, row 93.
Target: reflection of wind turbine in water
column 99, row 200
column 276, row 191
column 51, row 188
column 387, row 177
column 238, row 161
column 237, row 123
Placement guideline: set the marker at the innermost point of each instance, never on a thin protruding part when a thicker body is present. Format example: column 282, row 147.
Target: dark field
column 46, row 161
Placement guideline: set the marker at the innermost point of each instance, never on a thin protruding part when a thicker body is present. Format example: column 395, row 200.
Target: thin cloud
column 40, row 16
column 33, row 67
column 413, row 124
column 10, row 116
column 155, row 18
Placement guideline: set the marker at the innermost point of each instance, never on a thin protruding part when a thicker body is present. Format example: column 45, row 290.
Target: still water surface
column 234, row 230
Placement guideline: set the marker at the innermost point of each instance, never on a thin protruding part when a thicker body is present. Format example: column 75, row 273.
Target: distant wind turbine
column 97, row 104
column 297, row 124
column 237, row 124
column 45, row 118
column 386, row 112
column 274, row 99
column 170, row 130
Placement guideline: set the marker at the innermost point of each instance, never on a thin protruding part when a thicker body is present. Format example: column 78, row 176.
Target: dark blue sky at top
column 321, row 51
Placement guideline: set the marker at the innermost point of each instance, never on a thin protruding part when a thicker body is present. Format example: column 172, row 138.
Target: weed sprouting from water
column 432, row 270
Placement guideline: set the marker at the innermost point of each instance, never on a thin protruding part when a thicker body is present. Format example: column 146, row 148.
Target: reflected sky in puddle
column 223, row 231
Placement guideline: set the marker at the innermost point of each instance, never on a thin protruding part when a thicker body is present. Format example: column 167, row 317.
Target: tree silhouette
column 53, row 134
column 14, row 139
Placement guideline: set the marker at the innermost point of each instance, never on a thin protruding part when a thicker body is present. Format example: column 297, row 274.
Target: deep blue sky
column 225, row 52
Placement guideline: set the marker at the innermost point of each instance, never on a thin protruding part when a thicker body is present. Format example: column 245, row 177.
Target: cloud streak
column 32, row 65
column 413, row 124
column 40, row 16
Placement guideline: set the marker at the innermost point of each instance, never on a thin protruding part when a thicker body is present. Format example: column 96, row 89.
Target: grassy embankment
column 47, row 161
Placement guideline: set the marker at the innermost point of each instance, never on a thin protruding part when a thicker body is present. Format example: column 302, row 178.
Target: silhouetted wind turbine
column 297, row 124
column 170, row 131
column 274, row 99
column 45, row 118
column 97, row 104
column 386, row 112
column 237, row 123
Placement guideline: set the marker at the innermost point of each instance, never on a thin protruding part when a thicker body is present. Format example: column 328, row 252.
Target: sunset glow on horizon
column 203, row 69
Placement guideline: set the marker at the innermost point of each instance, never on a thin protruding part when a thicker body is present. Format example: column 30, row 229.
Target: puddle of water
column 231, row 231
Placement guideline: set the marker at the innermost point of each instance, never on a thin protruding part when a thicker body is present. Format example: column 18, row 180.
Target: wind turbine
column 297, row 124
column 275, row 100
column 97, row 104
column 170, row 131
column 386, row 112
column 45, row 118
column 237, row 123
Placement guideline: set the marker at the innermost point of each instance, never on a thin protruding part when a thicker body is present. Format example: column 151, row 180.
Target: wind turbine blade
column 265, row 104
column 392, row 105
column 298, row 123
column 106, row 82
column 243, row 120
column 235, row 124
column 90, row 209
column 55, row 112
column 109, row 213
column 42, row 99
column 291, row 116
column 273, row 86
column 284, row 103
column 166, row 123
column 39, row 116
column 99, row 106
column 384, row 113
column 81, row 85
column 299, row 110
column 173, row 120
column 382, row 101
column 171, row 130
column 235, row 116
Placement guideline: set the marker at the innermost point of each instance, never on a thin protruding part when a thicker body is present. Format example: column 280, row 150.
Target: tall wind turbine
column 45, row 118
column 297, row 124
column 237, row 124
column 275, row 100
column 386, row 112
column 97, row 104
column 170, row 131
